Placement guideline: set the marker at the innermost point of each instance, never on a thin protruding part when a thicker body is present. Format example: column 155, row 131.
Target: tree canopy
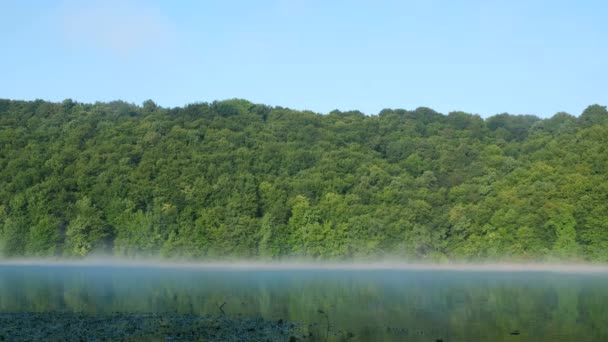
column 234, row 179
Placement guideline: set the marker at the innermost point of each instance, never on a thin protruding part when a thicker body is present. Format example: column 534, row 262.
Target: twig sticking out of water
column 222, row 308
column 327, row 318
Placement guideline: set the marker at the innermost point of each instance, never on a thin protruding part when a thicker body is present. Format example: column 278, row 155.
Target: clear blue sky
column 484, row 57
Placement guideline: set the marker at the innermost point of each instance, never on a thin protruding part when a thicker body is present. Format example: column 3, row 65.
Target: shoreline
column 62, row 326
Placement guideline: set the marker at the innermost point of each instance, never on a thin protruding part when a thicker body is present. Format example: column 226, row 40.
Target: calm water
column 374, row 305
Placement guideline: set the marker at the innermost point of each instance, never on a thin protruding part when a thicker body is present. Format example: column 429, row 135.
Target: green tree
column 87, row 232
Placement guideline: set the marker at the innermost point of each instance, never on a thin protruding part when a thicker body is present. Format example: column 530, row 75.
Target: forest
column 234, row 179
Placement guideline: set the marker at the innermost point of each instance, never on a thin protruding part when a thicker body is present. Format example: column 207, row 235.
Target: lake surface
column 371, row 305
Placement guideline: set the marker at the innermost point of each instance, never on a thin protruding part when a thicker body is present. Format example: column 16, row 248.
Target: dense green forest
column 243, row 180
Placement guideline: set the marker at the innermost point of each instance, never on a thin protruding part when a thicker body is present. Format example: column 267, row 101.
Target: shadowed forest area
column 242, row 180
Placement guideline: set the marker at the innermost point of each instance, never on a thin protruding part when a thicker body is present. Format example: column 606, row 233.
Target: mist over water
column 294, row 264
column 380, row 301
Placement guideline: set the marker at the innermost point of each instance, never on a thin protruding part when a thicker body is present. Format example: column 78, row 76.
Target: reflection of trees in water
column 419, row 305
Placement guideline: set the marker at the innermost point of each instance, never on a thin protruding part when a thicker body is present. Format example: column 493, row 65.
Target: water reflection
column 371, row 305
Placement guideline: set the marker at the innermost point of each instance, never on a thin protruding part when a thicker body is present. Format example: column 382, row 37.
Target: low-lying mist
column 387, row 264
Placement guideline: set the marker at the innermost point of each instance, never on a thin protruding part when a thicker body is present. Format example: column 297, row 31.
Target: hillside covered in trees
column 237, row 179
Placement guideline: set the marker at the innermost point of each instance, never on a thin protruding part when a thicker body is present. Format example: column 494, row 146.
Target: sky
column 482, row 57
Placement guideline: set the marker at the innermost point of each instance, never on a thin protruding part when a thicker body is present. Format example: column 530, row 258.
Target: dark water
column 372, row 305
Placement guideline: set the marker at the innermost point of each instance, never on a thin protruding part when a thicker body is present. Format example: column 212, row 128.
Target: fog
column 309, row 265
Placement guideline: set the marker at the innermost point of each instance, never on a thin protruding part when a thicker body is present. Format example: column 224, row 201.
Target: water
column 372, row 305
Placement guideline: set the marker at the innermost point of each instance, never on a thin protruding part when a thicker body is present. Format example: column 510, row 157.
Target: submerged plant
column 327, row 319
column 221, row 307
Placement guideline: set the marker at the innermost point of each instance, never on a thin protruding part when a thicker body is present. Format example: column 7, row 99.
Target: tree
column 593, row 115
column 565, row 246
column 87, row 232
column 237, row 179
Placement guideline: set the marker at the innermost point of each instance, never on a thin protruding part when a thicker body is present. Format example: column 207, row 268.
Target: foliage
column 237, row 179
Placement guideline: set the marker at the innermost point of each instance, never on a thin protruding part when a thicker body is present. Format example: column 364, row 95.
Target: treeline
column 237, row 179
